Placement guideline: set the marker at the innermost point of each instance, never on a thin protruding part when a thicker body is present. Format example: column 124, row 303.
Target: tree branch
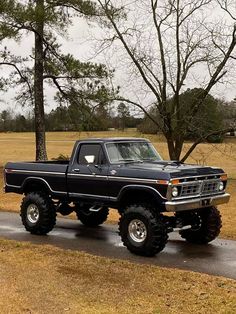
column 128, row 50
column 217, row 74
column 140, row 107
column 225, row 8
column 204, row 138
column 21, row 76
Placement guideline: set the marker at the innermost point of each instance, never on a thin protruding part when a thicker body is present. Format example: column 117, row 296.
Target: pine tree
column 45, row 19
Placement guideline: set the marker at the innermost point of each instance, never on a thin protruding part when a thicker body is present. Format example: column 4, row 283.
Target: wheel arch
column 140, row 194
column 33, row 184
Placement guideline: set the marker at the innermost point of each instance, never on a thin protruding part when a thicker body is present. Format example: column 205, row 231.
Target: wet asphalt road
column 217, row 258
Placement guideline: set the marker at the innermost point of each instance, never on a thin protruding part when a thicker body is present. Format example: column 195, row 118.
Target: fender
column 145, row 188
column 38, row 180
column 41, row 181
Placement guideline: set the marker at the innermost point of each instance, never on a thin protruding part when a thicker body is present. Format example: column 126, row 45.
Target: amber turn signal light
column 175, row 182
column 164, row 182
column 224, row 177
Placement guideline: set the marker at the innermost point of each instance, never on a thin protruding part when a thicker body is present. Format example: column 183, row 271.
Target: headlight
column 221, row 186
column 175, row 191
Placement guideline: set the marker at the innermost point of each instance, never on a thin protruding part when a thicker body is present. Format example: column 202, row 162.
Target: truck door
column 88, row 175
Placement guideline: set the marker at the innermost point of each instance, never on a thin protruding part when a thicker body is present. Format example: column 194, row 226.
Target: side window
column 91, row 154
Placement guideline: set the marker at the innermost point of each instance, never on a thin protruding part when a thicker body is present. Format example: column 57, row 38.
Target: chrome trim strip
column 41, row 179
column 36, row 162
column 87, row 175
column 176, row 206
column 145, row 140
column 113, row 198
column 13, row 186
column 143, row 186
column 112, row 178
column 34, row 171
column 116, row 198
column 91, row 195
column 193, row 197
column 200, row 175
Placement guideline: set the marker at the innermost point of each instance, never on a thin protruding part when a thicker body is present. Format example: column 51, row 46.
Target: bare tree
column 169, row 44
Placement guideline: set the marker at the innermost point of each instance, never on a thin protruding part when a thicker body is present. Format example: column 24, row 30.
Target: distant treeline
column 215, row 114
column 71, row 118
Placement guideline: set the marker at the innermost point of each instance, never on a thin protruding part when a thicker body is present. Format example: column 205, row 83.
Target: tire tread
column 159, row 237
column 209, row 231
column 47, row 218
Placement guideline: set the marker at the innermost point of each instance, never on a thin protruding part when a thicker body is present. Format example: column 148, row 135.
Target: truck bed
column 49, row 173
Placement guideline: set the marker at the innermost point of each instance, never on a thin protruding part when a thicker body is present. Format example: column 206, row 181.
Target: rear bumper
column 181, row 205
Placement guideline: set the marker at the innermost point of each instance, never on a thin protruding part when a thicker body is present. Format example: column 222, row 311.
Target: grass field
column 20, row 146
column 44, row 279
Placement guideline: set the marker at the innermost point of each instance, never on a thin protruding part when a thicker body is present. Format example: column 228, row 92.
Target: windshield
column 131, row 152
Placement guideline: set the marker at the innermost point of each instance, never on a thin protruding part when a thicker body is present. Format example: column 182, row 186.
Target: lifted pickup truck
column 127, row 174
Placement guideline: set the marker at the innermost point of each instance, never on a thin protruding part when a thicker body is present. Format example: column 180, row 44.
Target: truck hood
column 172, row 169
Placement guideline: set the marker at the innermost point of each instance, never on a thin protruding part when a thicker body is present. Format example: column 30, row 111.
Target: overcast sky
column 81, row 45
column 76, row 44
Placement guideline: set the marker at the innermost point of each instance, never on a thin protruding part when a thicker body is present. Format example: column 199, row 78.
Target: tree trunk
column 174, row 147
column 171, row 148
column 178, row 148
column 41, row 153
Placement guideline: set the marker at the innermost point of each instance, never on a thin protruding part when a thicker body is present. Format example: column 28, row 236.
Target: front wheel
column 208, row 229
column 142, row 232
column 38, row 213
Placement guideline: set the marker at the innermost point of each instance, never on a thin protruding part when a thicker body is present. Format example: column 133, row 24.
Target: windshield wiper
column 127, row 161
column 150, row 159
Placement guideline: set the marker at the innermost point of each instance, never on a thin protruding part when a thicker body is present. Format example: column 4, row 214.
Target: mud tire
column 155, row 229
column 45, row 212
column 210, row 227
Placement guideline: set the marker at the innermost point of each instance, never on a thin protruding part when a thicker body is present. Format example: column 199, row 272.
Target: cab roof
column 114, row 139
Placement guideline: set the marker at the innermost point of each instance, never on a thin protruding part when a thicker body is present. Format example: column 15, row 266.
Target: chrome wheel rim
column 137, row 230
column 32, row 213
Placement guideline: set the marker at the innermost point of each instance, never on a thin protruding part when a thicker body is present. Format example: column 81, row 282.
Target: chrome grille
column 198, row 188
column 190, row 189
column 210, row 187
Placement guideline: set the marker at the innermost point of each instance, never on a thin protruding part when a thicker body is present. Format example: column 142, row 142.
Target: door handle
column 76, row 170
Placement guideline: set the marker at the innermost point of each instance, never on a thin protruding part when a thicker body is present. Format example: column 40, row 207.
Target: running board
column 183, row 228
column 95, row 209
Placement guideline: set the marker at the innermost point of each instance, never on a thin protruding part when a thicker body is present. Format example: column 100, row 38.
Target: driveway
column 217, row 258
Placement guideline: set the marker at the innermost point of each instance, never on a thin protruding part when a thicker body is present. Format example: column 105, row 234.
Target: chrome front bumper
column 181, row 205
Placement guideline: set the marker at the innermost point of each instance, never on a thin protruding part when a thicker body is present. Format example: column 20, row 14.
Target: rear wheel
column 38, row 213
column 208, row 229
column 142, row 232
column 91, row 216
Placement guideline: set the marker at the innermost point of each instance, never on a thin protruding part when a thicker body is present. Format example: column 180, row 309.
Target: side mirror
column 90, row 159
column 98, row 167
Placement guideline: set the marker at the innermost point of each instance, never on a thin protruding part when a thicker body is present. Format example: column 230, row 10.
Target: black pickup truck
column 127, row 174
